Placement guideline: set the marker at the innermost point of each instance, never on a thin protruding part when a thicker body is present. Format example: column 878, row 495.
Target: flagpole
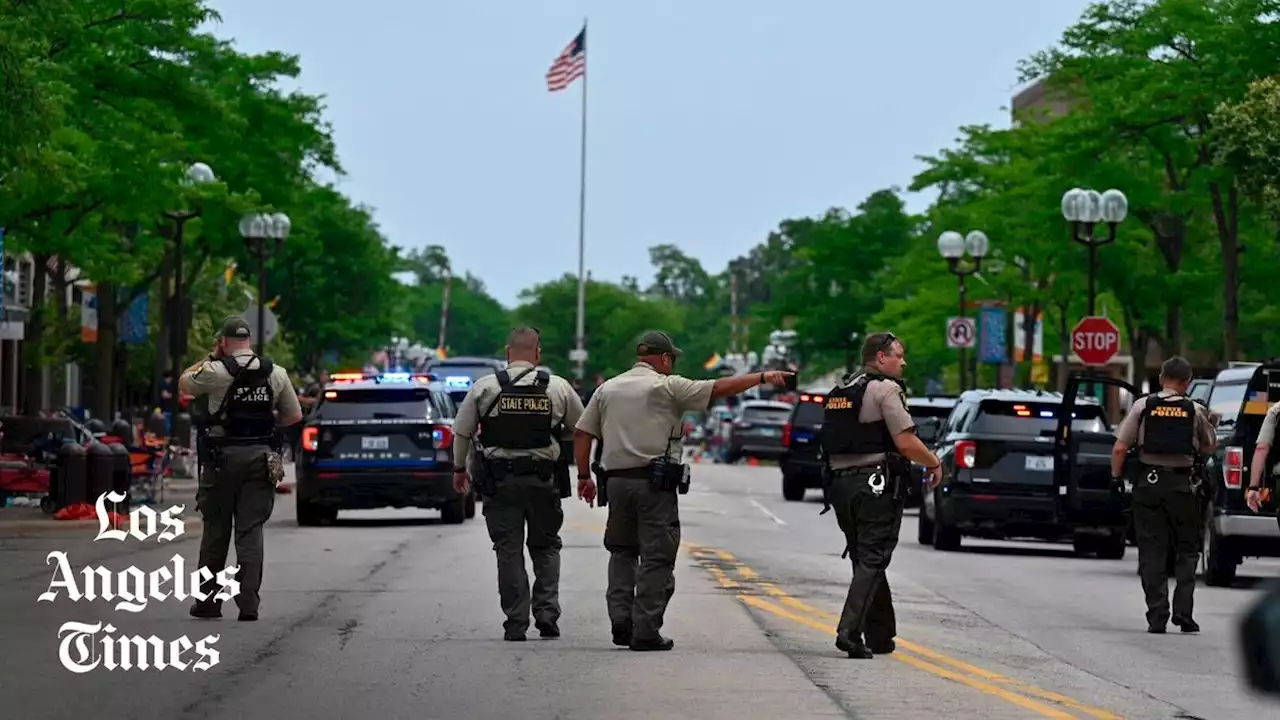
column 582, row 215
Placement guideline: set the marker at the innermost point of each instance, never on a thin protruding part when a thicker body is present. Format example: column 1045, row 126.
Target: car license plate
column 375, row 443
column 770, row 432
column 1039, row 462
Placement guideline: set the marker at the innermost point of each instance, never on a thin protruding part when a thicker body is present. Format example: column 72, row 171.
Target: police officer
column 249, row 397
column 1168, row 428
column 1263, row 460
column 521, row 468
column 636, row 419
column 867, row 437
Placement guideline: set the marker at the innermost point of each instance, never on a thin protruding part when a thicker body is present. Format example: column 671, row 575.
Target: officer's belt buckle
column 1153, row 477
column 876, row 482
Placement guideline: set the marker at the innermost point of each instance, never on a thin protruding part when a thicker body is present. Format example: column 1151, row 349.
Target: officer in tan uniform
column 1263, row 460
column 868, row 437
column 636, row 420
column 524, row 418
column 249, row 399
column 1168, row 428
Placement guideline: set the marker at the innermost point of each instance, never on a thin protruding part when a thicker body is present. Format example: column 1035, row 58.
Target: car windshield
column 460, row 375
column 375, row 404
column 1013, row 418
column 766, row 414
column 1226, row 400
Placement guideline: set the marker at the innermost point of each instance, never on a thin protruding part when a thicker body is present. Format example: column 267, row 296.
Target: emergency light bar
column 459, row 382
column 381, row 377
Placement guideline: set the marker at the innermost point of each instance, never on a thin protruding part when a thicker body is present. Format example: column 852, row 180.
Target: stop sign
column 1095, row 340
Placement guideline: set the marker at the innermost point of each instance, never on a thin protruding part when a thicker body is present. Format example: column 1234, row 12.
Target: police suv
column 459, row 373
column 998, row 453
column 379, row 440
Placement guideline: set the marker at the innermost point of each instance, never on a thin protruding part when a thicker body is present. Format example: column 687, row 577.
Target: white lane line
column 765, row 510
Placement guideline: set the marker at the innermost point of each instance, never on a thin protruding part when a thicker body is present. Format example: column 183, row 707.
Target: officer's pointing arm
column 736, row 385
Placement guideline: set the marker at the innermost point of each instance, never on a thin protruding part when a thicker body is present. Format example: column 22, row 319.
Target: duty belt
column 855, row 470
column 637, row 473
column 521, row 466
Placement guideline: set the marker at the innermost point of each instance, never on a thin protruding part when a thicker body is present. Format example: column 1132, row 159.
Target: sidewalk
column 18, row 522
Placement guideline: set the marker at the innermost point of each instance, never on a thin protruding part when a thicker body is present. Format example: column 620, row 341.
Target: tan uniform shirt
column 1267, row 435
column 213, row 380
column 1204, row 438
column 566, row 408
column 637, row 415
column 884, row 400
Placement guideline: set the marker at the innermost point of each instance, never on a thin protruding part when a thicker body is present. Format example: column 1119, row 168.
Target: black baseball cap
column 235, row 327
column 657, row 343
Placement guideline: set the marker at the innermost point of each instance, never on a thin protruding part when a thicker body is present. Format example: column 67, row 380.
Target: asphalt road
column 393, row 614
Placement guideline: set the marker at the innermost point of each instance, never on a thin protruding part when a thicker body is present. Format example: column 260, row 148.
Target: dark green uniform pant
column 237, row 497
column 521, row 500
column 870, row 524
column 642, row 536
column 1164, row 510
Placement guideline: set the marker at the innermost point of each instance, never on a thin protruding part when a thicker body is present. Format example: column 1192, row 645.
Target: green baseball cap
column 657, row 343
column 235, row 327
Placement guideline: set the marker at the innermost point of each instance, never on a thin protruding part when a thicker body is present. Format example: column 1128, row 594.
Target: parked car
column 757, row 430
column 458, row 373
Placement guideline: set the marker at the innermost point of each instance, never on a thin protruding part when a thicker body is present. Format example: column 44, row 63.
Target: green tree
column 616, row 317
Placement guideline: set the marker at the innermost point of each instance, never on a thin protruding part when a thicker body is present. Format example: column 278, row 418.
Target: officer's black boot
column 622, row 634
column 206, row 609
column 548, row 629
column 652, row 644
column 1186, row 624
column 854, row 647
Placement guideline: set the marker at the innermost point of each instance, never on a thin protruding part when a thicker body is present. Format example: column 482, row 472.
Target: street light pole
column 1084, row 209
column 197, row 174
column 256, row 230
column 952, row 246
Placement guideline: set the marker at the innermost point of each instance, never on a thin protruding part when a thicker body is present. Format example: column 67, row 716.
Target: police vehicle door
column 1082, row 461
column 1238, row 436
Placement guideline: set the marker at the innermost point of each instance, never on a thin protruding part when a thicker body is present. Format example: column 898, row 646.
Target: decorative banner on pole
column 89, row 314
column 135, row 323
column 992, row 345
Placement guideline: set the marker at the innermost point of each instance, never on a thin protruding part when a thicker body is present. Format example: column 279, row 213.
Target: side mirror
column 1260, row 643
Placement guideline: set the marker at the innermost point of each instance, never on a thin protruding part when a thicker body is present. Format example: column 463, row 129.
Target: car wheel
column 945, row 537
column 1113, row 546
column 310, row 514
column 924, row 527
column 1218, row 561
column 793, row 488
column 454, row 512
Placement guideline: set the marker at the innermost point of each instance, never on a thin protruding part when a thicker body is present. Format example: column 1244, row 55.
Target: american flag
column 571, row 65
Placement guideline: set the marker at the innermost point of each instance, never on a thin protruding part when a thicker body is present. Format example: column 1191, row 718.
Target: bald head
column 524, row 343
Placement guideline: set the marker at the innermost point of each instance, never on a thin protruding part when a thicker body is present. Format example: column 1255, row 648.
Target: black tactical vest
column 842, row 433
column 246, row 411
column 520, row 417
column 1170, row 425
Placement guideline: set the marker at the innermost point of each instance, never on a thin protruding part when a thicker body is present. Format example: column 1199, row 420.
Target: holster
column 666, row 476
column 602, row 484
column 564, row 482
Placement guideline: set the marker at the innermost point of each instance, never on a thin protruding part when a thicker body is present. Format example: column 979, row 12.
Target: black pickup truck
column 1241, row 395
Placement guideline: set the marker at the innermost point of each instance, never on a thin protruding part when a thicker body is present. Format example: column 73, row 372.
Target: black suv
column 998, row 453
column 458, row 373
column 379, row 441
column 801, row 459
column 1241, row 395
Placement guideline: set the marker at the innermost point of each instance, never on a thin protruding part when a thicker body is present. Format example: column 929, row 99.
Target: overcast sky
column 708, row 122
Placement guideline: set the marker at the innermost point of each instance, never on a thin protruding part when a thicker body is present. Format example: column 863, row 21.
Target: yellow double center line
column 745, row 582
